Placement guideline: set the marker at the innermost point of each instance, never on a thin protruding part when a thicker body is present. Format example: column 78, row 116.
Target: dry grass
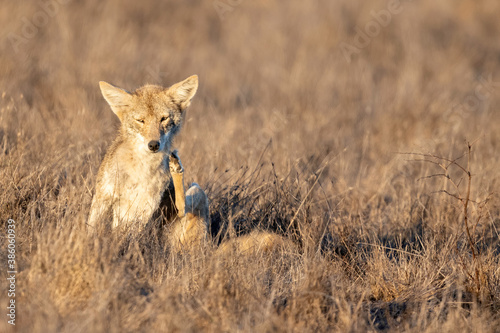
column 284, row 134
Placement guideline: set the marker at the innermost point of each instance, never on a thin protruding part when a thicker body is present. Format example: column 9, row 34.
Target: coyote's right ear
column 116, row 97
column 182, row 92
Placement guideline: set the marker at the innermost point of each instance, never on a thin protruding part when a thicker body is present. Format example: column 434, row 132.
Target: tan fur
column 190, row 229
column 256, row 242
column 140, row 179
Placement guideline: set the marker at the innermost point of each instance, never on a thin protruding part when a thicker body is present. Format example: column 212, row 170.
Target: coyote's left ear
column 182, row 92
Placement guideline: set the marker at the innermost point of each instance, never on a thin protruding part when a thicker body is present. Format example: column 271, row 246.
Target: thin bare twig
column 466, row 202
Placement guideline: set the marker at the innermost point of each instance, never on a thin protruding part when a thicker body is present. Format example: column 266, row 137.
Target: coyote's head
column 151, row 115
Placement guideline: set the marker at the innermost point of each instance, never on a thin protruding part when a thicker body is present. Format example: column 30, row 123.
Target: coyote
column 141, row 180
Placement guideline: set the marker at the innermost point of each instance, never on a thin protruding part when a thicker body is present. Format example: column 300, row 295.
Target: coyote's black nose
column 154, row 145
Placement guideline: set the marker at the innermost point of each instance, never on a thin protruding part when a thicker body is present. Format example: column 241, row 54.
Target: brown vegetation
column 284, row 134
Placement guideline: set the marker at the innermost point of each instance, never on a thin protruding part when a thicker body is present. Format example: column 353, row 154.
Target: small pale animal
column 140, row 179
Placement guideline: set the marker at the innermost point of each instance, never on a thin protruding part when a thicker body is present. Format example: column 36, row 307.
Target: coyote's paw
column 175, row 163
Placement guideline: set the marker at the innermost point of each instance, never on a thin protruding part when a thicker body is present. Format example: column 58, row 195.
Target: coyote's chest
column 137, row 190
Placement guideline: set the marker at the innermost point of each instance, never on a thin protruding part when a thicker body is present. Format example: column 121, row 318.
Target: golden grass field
column 287, row 133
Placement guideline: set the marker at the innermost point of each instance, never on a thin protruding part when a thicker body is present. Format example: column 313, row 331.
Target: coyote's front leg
column 191, row 226
column 177, row 172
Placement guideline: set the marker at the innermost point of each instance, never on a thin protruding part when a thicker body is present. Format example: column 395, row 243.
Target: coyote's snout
column 140, row 179
column 154, row 145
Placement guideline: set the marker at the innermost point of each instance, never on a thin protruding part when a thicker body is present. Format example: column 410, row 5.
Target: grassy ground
column 298, row 127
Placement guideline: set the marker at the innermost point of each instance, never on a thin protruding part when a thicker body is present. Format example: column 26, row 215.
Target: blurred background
column 372, row 77
column 311, row 94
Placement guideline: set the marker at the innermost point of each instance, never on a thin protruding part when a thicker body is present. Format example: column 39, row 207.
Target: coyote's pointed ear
column 116, row 97
column 183, row 92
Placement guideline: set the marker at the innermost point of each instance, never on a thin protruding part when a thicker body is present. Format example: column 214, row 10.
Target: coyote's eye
column 163, row 119
column 140, row 121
